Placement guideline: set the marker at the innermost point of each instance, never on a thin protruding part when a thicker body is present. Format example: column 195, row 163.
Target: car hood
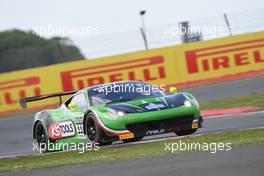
column 149, row 104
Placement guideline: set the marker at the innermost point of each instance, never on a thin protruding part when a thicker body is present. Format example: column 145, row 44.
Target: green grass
column 236, row 138
column 254, row 99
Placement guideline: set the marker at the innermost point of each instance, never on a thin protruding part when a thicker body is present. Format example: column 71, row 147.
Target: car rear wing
column 23, row 101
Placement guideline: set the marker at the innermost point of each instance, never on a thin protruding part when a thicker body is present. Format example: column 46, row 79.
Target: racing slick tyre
column 133, row 139
column 41, row 137
column 185, row 132
column 93, row 131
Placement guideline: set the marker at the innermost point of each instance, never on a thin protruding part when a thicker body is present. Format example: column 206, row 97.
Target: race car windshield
column 118, row 92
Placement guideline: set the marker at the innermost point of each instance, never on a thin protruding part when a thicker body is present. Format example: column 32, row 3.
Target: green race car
column 105, row 113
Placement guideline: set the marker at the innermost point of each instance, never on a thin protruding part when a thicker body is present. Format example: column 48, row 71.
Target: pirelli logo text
column 225, row 56
column 145, row 69
column 11, row 91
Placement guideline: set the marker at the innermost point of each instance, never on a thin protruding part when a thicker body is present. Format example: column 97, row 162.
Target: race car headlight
column 187, row 103
column 112, row 112
column 121, row 113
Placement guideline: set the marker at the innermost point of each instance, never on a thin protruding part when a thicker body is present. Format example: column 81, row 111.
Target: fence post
column 228, row 24
column 144, row 37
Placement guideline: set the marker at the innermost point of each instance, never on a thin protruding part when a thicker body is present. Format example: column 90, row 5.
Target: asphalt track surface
column 16, row 134
column 243, row 161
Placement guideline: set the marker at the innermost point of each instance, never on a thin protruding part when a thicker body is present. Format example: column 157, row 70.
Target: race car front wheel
column 94, row 132
column 41, row 137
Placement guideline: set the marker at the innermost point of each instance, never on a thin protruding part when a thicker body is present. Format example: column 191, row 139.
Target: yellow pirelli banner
column 169, row 65
column 214, row 58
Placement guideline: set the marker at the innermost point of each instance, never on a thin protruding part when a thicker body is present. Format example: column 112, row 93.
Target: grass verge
column 236, row 138
column 254, row 99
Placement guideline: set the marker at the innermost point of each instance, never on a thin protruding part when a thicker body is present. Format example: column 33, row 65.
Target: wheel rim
column 91, row 130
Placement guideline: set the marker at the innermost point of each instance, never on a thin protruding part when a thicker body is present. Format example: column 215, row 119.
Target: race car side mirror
column 72, row 105
column 173, row 90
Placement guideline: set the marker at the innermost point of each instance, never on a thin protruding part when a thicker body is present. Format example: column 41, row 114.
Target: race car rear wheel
column 94, row 132
column 185, row 132
column 41, row 137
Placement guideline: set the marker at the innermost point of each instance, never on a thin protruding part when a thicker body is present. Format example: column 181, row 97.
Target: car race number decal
column 79, row 125
column 61, row 129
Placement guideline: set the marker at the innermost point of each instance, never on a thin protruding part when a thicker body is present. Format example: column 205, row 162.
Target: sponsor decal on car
column 126, row 136
column 61, row 129
column 154, row 106
column 152, row 132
